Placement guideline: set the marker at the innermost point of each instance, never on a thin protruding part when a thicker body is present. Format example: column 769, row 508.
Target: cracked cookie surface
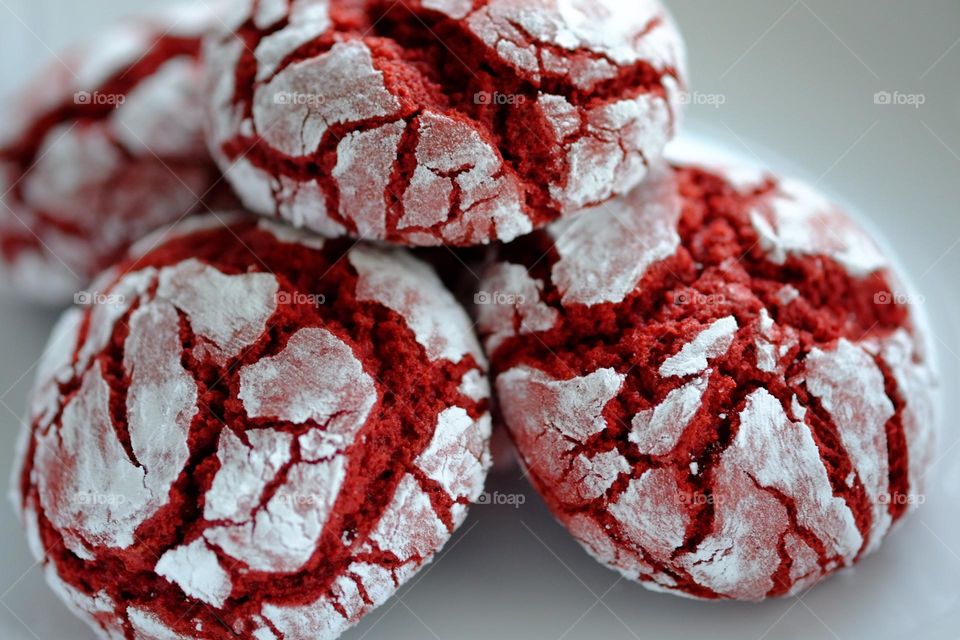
column 716, row 382
column 251, row 432
column 428, row 122
column 99, row 149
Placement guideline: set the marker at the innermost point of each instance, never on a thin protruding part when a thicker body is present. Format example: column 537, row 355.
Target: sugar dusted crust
column 220, row 434
column 441, row 121
column 724, row 397
column 94, row 157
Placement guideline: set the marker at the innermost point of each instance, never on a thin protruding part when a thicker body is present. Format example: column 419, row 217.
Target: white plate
column 800, row 76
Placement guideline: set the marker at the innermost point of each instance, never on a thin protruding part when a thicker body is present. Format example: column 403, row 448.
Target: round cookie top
column 100, row 148
column 264, row 430
column 717, row 382
column 440, row 121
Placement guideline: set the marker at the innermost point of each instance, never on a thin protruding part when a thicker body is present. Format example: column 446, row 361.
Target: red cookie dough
column 102, row 147
column 431, row 122
column 716, row 382
column 252, row 433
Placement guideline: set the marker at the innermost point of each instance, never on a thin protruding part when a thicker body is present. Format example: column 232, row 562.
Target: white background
column 797, row 80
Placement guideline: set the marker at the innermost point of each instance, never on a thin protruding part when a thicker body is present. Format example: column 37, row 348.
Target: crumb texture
column 255, row 433
column 714, row 381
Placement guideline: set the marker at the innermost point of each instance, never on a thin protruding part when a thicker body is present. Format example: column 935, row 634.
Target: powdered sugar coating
column 316, row 377
column 245, row 470
column 400, row 282
column 547, row 416
column 915, row 375
column 448, row 147
column 783, row 456
column 152, row 120
column 330, row 616
column 282, row 536
column 409, row 527
column 771, row 454
column 100, row 473
column 731, row 561
column 108, row 495
column 306, row 19
column 55, row 366
column 612, row 155
column 291, row 235
column 850, row 387
column 605, row 253
column 95, row 159
column 230, row 311
column 353, row 91
column 228, row 445
column 586, row 40
column 767, row 409
column 147, row 626
column 572, row 407
column 196, row 569
column 96, row 609
column 651, row 513
column 162, row 396
column 694, row 357
column 798, row 220
column 364, row 163
column 457, row 454
column 656, row 431
column 436, row 167
column 512, row 294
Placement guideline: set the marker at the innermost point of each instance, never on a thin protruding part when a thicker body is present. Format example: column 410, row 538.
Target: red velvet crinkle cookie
column 430, row 122
column 102, row 147
column 252, row 433
column 717, row 383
